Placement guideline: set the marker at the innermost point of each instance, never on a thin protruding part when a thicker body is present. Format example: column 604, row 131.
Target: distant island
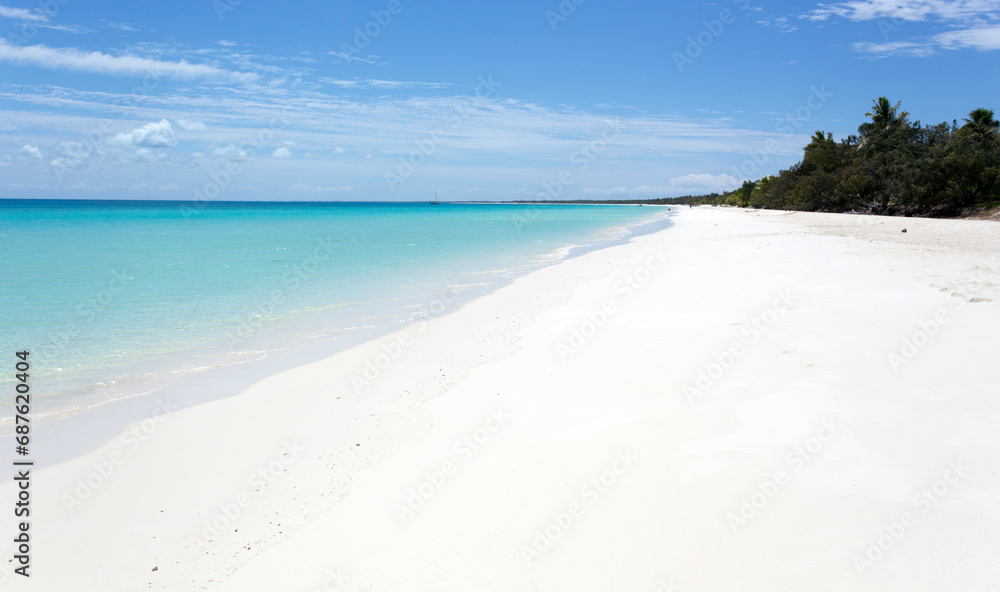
column 891, row 167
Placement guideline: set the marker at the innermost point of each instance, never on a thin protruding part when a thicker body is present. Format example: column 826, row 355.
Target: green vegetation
column 893, row 167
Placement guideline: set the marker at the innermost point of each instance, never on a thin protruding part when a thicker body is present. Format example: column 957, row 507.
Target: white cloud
column 781, row 23
column 981, row 38
column 22, row 14
column 697, row 184
column 74, row 155
column 895, row 48
column 973, row 21
column 120, row 26
column 102, row 63
column 345, row 57
column 374, row 83
column 909, row 10
column 4, row 161
column 151, row 135
column 500, row 141
column 306, row 188
column 339, row 150
column 232, row 152
column 191, row 125
column 30, row 151
column 147, row 155
column 282, row 153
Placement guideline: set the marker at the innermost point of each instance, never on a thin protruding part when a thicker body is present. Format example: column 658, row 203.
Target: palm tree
column 982, row 120
column 884, row 116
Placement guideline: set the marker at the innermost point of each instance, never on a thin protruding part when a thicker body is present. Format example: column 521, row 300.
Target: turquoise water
column 110, row 296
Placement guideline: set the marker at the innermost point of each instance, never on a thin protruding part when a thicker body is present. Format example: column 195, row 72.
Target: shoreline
column 263, row 319
column 500, row 416
column 216, row 381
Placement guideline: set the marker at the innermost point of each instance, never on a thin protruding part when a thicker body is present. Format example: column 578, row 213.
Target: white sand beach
column 744, row 401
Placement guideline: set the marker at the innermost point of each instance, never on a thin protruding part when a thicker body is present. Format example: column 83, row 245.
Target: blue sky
column 397, row 99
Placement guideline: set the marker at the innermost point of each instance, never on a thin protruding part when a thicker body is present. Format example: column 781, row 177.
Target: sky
column 473, row 100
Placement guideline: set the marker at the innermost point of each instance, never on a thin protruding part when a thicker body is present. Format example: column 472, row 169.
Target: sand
column 744, row 401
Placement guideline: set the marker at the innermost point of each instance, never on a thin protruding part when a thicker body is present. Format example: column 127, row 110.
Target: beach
column 746, row 400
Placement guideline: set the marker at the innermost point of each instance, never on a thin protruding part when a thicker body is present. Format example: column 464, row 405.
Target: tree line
column 892, row 166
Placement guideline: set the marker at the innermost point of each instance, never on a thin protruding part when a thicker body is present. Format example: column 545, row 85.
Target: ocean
column 116, row 299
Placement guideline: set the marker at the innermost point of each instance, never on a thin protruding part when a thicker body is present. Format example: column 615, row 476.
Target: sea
column 115, row 299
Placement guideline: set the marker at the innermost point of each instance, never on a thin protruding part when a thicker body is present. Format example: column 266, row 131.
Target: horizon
column 391, row 101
